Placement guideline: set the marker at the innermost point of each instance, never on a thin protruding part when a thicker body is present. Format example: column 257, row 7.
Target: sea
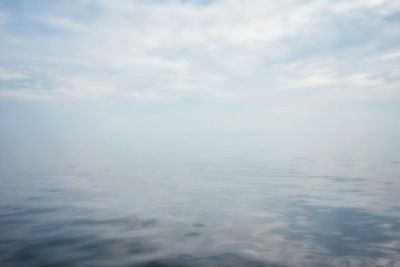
column 200, row 199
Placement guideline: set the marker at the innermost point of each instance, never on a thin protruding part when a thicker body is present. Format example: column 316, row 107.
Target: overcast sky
column 200, row 65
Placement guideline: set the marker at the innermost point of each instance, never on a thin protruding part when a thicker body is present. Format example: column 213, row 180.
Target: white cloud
column 25, row 95
column 232, row 50
column 81, row 88
column 62, row 23
column 391, row 56
column 9, row 74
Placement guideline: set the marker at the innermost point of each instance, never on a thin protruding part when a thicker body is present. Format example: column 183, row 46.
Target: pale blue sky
column 199, row 65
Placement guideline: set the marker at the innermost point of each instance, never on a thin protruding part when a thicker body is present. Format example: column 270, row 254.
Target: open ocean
column 200, row 200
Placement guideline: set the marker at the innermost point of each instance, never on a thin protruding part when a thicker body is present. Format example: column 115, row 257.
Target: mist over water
column 201, row 199
column 199, row 133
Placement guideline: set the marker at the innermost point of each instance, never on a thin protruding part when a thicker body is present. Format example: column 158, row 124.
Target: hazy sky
column 199, row 65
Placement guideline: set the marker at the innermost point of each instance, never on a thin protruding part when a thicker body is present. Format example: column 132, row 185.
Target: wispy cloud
column 228, row 52
column 9, row 74
column 62, row 23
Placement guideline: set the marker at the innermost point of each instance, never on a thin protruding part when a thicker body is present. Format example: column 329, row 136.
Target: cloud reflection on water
column 225, row 210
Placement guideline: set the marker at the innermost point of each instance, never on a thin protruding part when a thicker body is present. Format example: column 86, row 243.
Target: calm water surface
column 211, row 200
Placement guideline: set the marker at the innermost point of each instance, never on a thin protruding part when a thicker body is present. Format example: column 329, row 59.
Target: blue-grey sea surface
column 200, row 200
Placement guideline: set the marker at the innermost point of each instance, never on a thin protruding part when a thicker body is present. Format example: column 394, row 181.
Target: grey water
column 200, row 200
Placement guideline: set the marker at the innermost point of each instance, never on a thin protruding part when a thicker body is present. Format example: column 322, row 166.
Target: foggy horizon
column 200, row 133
